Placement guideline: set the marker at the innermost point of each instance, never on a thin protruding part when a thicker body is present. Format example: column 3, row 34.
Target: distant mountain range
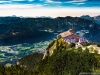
column 20, row 28
column 95, row 18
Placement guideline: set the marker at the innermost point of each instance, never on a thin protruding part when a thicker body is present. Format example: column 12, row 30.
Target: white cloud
column 45, row 4
column 30, row 0
column 17, row 0
column 80, row 3
column 19, row 6
column 49, row 1
column 78, row 0
column 4, row 1
column 39, row 10
column 77, row 3
column 73, row 1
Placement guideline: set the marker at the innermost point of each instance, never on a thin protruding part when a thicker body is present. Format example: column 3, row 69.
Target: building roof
column 67, row 33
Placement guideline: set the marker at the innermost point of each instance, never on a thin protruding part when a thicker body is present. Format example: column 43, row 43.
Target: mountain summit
column 71, row 37
column 62, row 58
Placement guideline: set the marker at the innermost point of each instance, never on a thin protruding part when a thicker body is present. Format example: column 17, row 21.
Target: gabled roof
column 67, row 33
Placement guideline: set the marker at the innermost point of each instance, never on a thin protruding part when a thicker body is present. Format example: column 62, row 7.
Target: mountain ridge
column 26, row 27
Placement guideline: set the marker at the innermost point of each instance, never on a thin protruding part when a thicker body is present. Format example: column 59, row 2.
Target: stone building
column 71, row 37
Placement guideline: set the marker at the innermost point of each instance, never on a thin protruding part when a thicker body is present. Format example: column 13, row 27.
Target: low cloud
column 66, row 0
column 39, row 10
column 78, row 0
column 20, row 6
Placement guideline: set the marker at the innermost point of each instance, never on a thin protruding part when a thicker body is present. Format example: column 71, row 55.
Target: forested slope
column 65, row 60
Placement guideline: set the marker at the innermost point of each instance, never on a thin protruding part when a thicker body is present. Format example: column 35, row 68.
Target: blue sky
column 53, row 8
column 56, row 3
